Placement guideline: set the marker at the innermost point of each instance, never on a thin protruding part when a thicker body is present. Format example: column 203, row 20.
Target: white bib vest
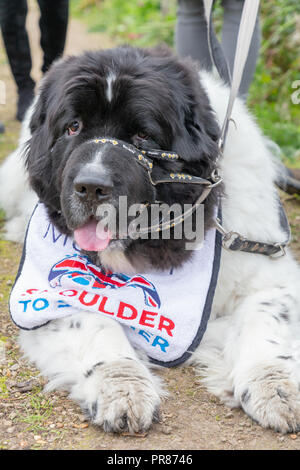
column 163, row 313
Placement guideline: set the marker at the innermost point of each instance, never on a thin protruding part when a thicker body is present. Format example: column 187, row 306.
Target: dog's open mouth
column 92, row 236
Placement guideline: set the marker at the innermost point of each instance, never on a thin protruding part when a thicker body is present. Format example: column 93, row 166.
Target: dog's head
column 147, row 98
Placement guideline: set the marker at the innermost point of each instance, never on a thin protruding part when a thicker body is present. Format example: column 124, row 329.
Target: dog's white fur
column 16, row 197
column 250, row 353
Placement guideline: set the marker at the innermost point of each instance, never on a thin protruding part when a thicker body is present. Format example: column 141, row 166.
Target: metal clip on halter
column 281, row 252
column 233, row 241
column 228, row 237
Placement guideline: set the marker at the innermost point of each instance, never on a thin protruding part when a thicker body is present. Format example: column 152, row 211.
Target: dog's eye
column 142, row 140
column 143, row 135
column 74, row 128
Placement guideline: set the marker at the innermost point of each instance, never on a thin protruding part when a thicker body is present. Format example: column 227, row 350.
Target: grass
column 38, row 411
column 4, row 393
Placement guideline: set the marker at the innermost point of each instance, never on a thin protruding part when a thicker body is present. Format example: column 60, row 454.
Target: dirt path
column 30, row 419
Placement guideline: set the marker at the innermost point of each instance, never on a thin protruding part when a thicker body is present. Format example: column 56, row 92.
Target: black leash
column 234, row 241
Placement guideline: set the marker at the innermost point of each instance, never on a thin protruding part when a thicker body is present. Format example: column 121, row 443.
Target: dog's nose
column 93, row 187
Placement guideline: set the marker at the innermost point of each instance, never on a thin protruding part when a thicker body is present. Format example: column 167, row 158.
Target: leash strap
column 214, row 47
column 247, row 24
column 246, row 28
column 233, row 241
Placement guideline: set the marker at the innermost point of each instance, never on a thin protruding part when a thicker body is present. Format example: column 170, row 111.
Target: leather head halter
column 146, row 159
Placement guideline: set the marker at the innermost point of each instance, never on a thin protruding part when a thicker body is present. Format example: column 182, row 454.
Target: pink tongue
column 92, row 237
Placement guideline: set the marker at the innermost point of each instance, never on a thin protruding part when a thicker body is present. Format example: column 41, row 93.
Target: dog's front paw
column 121, row 396
column 273, row 401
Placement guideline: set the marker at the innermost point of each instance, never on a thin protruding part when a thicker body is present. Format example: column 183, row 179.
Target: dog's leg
column 257, row 365
column 91, row 357
column 266, row 359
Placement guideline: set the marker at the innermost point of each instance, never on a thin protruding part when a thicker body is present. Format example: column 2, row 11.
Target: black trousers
column 53, row 26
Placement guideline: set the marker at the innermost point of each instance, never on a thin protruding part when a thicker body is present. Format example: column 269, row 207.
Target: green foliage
column 3, row 389
column 37, row 413
column 140, row 22
column 146, row 23
column 277, row 69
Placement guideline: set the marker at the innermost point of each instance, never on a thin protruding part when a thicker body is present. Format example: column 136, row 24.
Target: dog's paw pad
column 273, row 404
column 126, row 398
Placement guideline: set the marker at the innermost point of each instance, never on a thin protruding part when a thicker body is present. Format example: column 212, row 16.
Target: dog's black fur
column 154, row 93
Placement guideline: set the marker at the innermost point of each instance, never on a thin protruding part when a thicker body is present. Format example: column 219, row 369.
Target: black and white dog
column 250, row 353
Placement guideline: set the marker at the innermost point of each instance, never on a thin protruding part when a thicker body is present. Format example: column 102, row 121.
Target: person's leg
column 231, row 21
column 53, row 25
column 12, row 19
column 191, row 32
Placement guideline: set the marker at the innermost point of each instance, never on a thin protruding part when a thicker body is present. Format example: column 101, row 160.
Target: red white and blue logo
column 83, row 272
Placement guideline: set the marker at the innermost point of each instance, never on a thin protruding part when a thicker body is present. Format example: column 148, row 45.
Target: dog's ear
column 47, row 106
column 39, row 112
column 38, row 151
column 198, row 132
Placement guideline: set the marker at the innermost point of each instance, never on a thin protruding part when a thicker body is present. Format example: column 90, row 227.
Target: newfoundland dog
column 123, row 123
